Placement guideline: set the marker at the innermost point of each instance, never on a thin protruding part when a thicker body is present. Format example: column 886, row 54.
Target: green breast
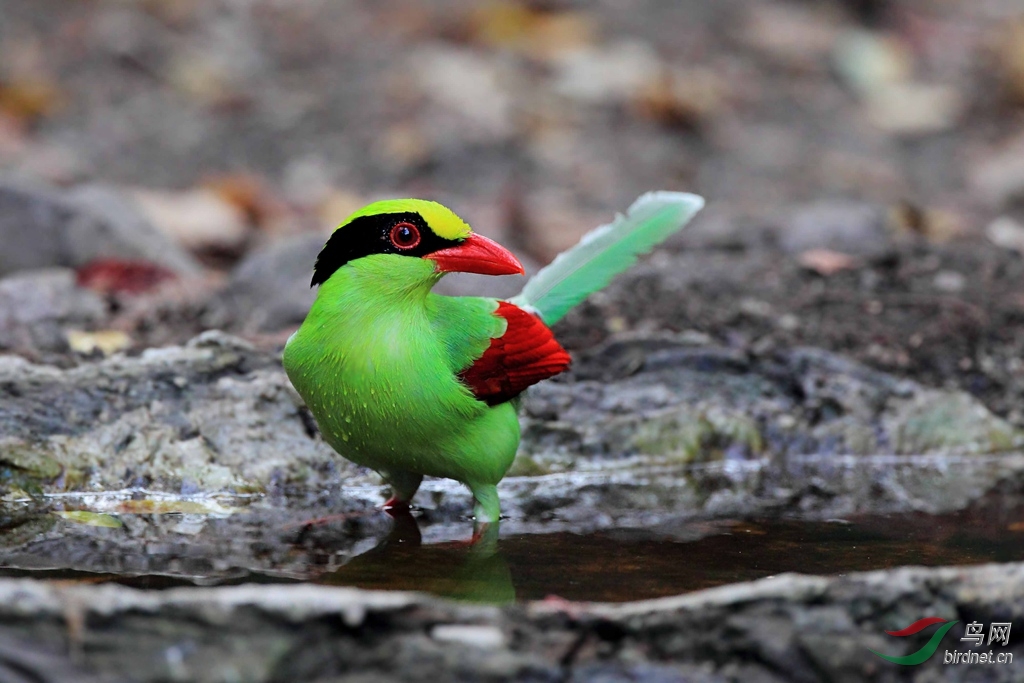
column 376, row 361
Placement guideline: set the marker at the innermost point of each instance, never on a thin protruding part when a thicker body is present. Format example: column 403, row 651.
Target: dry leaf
column 535, row 33
column 404, row 145
column 106, row 341
column 914, row 108
column 936, row 225
column 198, row 219
column 29, row 100
column 339, row 205
column 164, row 507
column 249, row 193
column 116, row 275
column 826, row 261
column 90, row 518
column 681, row 97
column 790, row 34
column 1010, row 56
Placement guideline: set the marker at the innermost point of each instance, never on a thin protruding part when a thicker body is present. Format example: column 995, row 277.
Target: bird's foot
column 559, row 604
column 483, row 532
column 396, row 507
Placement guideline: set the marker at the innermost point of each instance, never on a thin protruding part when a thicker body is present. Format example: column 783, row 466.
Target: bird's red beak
column 477, row 254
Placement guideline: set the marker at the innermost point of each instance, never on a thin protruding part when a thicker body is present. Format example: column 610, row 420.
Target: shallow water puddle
column 371, row 551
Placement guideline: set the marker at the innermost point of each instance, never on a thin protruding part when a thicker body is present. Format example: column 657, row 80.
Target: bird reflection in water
column 472, row 572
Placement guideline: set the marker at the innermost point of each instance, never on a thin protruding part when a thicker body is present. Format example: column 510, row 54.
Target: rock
column 813, row 628
column 949, row 281
column 22, row 660
column 41, row 227
column 37, row 307
column 213, row 414
column 129, row 234
column 1007, row 233
column 950, row 421
column 269, row 290
column 217, row 415
column 853, row 228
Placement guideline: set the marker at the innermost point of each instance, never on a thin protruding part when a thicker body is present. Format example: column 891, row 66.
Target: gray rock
column 211, row 415
column 42, row 227
column 269, row 290
column 785, row 628
column 25, row 662
column 217, row 415
column 36, row 307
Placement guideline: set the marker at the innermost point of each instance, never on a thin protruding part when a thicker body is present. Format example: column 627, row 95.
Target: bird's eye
column 405, row 235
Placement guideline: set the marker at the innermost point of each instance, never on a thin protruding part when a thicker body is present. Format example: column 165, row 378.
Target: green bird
column 411, row 383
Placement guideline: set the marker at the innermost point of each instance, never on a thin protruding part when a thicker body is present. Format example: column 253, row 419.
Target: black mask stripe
column 368, row 235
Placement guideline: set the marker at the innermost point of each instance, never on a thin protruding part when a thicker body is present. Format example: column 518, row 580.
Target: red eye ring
column 404, row 235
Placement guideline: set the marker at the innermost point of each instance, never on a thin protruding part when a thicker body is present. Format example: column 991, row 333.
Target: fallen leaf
column 337, row 206
column 473, row 91
column 110, row 276
column 936, row 225
column 914, row 108
column 536, row 33
column 1010, row 58
column 792, row 35
column 610, row 74
column 106, row 341
column 12, row 135
column 826, row 261
column 404, row 145
column 999, row 175
column 164, row 507
column 199, row 219
column 29, row 100
column 247, row 192
column 553, row 224
column 681, row 97
column 202, row 78
column 90, row 518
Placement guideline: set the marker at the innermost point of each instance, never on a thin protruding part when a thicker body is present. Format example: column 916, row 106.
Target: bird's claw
column 396, row 507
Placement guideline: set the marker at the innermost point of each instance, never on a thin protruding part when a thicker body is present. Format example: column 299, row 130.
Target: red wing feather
column 524, row 355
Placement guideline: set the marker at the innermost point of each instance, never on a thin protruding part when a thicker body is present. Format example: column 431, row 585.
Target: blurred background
column 203, row 148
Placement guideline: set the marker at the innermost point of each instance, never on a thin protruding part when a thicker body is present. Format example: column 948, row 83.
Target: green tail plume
column 605, row 252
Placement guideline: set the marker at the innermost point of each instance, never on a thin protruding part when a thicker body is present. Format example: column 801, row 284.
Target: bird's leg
column 404, row 485
column 486, row 509
column 485, row 532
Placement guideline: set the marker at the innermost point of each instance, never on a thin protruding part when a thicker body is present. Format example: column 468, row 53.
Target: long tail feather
column 605, row 252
